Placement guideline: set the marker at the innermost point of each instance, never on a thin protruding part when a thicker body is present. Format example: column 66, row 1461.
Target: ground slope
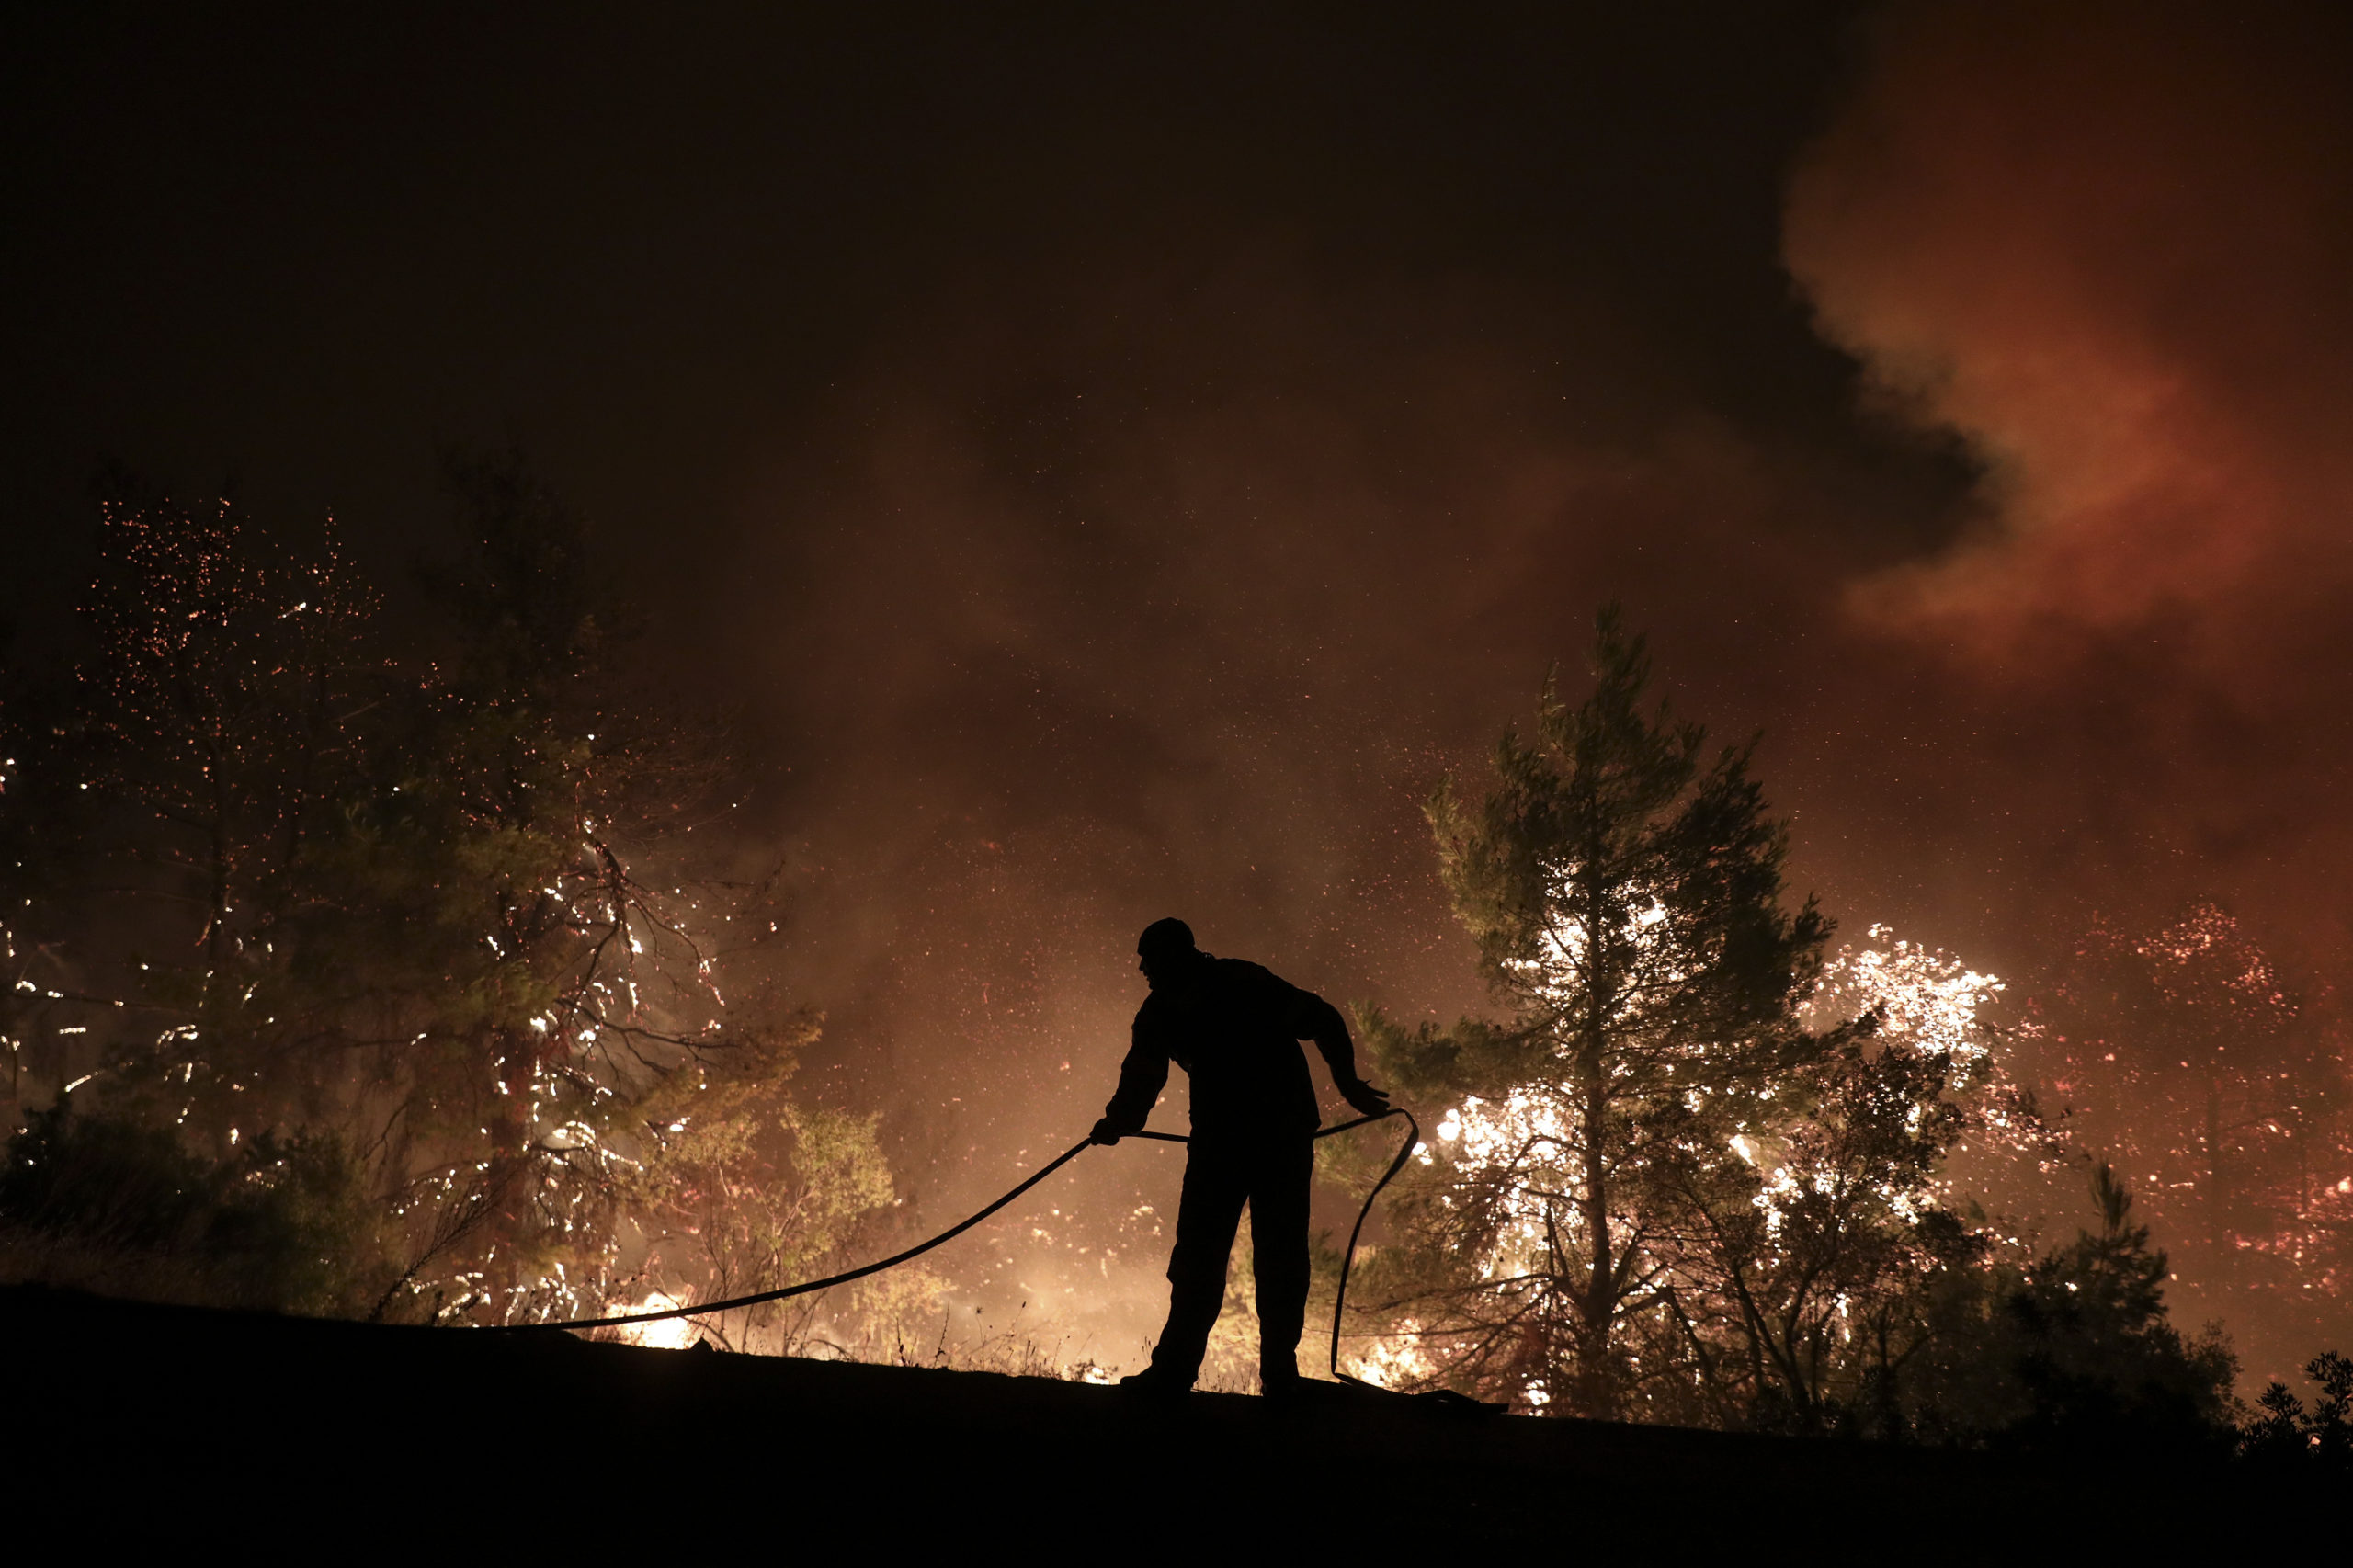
column 335, row 1441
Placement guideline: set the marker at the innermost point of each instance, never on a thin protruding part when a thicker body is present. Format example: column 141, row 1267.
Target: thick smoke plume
column 2106, row 247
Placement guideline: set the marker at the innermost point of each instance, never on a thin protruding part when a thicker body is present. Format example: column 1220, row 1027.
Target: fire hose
column 807, row 1287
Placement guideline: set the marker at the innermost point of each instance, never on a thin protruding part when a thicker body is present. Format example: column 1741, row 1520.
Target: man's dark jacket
column 1234, row 1028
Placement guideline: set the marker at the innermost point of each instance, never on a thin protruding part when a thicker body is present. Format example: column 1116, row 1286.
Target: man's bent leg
column 1216, row 1182
column 1280, row 1177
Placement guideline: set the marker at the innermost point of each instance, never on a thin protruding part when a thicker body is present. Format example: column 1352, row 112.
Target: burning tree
column 1807, row 1263
column 435, row 927
column 2185, row 1055
column 1694, row 1174
column 1625, row 897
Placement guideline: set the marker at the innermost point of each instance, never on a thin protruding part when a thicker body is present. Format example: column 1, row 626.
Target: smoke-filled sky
column 1117, row 460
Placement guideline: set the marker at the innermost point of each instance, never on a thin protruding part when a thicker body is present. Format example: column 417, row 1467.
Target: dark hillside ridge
column 337, row 1440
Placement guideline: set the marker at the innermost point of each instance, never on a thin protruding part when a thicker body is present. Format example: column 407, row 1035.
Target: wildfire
column 670, row 1333
column 1515, row 1157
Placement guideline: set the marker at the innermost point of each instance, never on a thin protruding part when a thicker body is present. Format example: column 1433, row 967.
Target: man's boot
column 1278, row 1377
column 1155, row 1386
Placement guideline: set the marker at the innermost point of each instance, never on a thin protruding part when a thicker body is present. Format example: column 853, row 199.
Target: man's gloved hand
column 1104, row 1133
column 1366, row 1099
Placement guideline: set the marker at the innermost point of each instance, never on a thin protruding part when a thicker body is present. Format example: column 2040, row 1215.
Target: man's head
column 1165, row 952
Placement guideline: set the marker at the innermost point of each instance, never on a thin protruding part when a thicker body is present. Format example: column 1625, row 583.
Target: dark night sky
column 1119, row 459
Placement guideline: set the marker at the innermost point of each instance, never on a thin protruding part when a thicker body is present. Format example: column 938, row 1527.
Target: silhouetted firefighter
column 1235, row 1028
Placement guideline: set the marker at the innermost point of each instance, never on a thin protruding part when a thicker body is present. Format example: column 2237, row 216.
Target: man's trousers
column 1272, row 1175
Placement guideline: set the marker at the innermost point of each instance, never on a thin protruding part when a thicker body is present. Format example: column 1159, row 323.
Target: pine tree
column 1625, row 897
column 2073, row 1348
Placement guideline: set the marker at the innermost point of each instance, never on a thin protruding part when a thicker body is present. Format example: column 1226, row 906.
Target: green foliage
column 284, row 1226
column 2289, row 1436
column 2072, row 1349
column 741, row 1191
column 1620, row 894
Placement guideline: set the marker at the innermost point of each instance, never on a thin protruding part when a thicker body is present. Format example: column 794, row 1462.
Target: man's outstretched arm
column 1142, row 1075
column 1316, row 1019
